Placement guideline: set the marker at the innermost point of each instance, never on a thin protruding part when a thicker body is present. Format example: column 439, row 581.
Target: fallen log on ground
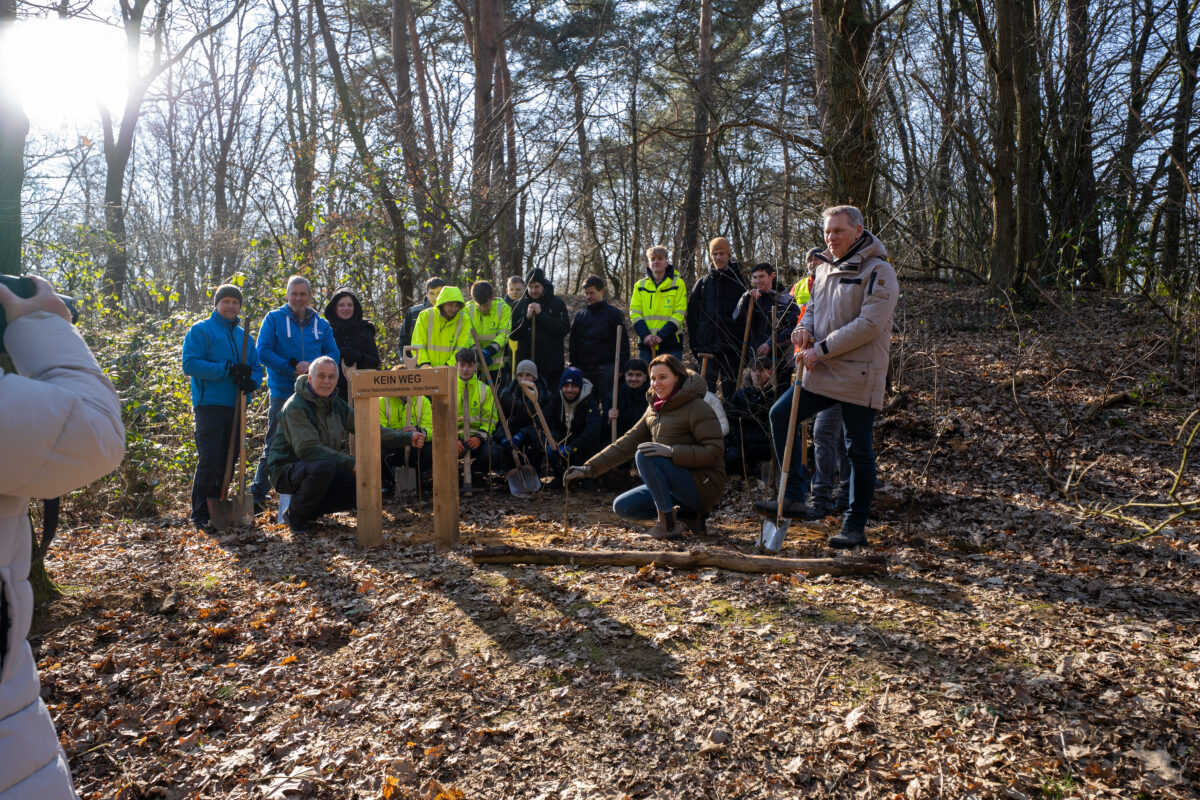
column 683, row 559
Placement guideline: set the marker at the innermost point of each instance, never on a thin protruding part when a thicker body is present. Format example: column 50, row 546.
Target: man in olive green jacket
column 306, row 459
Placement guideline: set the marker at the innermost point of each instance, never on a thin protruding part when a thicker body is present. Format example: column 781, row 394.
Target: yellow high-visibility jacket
column 659, row 309
column 396, row 413
column 493, row 329
column 475, row 397
column 435, row 338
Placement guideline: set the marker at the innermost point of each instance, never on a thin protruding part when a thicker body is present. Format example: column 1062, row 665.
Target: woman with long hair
column 678, row 449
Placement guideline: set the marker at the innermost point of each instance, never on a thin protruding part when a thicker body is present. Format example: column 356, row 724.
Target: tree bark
column 849, row 130
column 590, row 259
column 1080, row 255
column 685, row 257
column 679, row 559
column 1031, row 213
column 483, row 33
column 14, row 127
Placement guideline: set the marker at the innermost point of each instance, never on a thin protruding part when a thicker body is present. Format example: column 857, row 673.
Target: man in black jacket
column 631, row 397
column 592, row 341
column 542, row 309
column 433, row 287
column 775, row 316
column 710, row 317
column 573, row 415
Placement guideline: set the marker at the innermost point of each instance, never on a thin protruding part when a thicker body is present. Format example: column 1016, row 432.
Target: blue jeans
column 857, row 422
column 667, row 485
column 262, row 482
column 833, row 467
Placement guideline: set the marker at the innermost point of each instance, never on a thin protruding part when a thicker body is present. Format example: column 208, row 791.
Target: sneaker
column 848, row 538
column 791, row 508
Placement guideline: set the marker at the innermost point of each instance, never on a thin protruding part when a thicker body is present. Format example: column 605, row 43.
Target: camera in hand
column 25, row 287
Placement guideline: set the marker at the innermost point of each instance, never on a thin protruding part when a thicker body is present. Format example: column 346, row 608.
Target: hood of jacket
column 331, row 309
column 694, row 387
column 450, row 294
column 865, row 248
column 539, row 275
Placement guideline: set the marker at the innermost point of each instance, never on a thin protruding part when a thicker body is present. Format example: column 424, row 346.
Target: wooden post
column 438, row 384
column 366, row 469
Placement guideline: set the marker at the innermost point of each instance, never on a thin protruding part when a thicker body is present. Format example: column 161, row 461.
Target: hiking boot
column 695, row 521
column 819, row 512
column 793, row 509
column 848, row 538
column 667, row 527
column 297, row 525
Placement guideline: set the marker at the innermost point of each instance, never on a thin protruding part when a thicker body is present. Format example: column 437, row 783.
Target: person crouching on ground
column 678, row 450
column 477, row 407
column 631, row 400
column 573, row 416
column 306, row 459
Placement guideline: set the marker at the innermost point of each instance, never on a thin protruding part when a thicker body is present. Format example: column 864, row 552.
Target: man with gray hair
column 843, row 340
column 289, row 339
column 306, row 459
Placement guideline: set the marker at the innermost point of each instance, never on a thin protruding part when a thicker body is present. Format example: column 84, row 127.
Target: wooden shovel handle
column 531, row 393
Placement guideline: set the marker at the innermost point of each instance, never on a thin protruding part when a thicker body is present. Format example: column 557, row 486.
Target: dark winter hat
column 814, row 252
column 637, row 365
column 528, row 366
column 227, row 290
column 571, row 375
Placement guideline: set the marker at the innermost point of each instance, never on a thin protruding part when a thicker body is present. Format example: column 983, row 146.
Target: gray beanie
column 527, row 366
column 227, row 290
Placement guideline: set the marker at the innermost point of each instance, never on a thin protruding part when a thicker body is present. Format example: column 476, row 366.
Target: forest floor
column 1016, row 648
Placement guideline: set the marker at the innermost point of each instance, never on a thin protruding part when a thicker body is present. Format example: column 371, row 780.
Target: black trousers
column 214, row 426
column 317, row 488
column 601, row 378
column 723, row 369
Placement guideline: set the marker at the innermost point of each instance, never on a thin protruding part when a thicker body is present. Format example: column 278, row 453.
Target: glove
column 562, row 451
column 654, row 449
column 239, row 371
column 574, row 473
column 246, row 384
column 517, row 439
column 490, row 351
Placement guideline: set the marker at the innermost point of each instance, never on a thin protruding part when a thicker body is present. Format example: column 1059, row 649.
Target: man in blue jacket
column 290, row 338
column 212, row 357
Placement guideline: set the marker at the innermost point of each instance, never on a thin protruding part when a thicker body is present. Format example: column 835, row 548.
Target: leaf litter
column 1013, row 649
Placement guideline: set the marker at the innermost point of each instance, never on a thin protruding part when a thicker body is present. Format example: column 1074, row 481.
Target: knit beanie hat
column 719, row 240
column 527, row 366
column 571, row 375
column 227, row 290
column 814, row 252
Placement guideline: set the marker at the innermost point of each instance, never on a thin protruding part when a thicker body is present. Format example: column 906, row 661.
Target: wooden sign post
column 438, row 385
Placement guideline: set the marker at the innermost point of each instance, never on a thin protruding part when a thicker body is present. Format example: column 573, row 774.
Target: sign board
column 438, row 384
column 403, row 382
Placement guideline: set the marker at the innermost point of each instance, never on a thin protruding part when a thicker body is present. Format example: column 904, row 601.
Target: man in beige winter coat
column 843, row 341
column 60, row 428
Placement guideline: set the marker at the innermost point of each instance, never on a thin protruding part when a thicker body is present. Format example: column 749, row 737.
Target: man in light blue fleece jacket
column 289, row 339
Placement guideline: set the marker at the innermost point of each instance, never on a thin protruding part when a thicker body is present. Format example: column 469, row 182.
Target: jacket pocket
column 848, row 377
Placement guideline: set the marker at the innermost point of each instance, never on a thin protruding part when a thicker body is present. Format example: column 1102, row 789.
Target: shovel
column 406, row 475
column 770, row 537
column 225, row 512
column 531, row 393
column 523, row 478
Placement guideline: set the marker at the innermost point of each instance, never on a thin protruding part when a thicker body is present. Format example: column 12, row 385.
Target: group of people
column 579, row 410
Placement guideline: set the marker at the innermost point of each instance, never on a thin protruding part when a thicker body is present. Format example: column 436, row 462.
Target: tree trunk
column 512, row 241
column 1031, row 213
column 591, row 261
column 14, row 126
column 635, row 186
column 414, row 160
column 483, row 32
column 682, row 559
column 785, row 200
column 395, row 214
column 1081, row 250
column 849, row 131
column 685, row 257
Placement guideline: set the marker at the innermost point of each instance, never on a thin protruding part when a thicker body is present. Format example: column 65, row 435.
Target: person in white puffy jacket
column 60, row 428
